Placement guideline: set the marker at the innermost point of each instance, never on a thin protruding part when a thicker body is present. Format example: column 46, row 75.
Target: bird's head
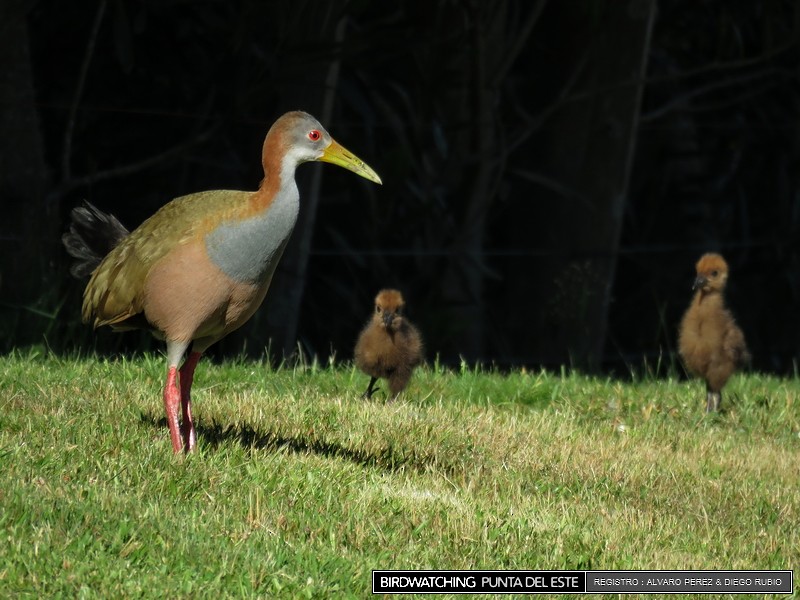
column 297, row 137
column 389, row 306
column 712, row 273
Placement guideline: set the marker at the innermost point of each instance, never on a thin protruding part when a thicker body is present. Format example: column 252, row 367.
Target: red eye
column 314, row 135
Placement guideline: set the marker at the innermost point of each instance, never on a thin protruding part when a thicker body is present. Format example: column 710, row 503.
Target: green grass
column 300, row 487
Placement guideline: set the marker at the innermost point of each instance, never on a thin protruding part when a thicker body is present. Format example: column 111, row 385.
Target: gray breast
column 249, row 250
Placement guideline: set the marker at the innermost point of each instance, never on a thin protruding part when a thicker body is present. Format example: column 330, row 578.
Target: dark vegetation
column 552, row 170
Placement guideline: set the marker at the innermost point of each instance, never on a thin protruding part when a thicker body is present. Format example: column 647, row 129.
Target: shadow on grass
column 386, row 458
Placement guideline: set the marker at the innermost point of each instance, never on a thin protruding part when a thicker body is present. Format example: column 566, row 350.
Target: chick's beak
column 699, row 282
column 339, row 155
column 388, row 318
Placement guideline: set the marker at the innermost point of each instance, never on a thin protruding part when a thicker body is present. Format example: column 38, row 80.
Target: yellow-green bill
column 337, row 154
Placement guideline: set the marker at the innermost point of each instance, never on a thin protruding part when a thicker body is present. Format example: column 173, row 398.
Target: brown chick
column 711, row 344
column 389, row 346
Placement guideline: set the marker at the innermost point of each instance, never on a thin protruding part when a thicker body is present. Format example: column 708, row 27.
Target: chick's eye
column 377, row 309
column 714, row 273
column 314, row 135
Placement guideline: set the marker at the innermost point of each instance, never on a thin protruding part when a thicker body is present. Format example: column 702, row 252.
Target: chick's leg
column 713, row 400
column 370, row 391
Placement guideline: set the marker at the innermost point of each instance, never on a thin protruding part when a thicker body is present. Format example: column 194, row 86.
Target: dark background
column 552, row 169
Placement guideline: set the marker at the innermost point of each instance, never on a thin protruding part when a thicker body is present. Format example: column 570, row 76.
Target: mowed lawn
column 300, row 487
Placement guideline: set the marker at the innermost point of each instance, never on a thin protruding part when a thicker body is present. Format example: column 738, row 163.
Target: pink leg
column 187, row 425
column 171, row 397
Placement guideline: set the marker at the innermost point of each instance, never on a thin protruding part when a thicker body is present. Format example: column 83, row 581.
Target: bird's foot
column 371, row 389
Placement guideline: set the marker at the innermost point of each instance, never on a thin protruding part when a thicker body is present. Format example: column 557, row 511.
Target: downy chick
column 389, row 346
column 711, row 344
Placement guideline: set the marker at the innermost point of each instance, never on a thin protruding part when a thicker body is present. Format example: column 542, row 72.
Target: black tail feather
column 92, row 234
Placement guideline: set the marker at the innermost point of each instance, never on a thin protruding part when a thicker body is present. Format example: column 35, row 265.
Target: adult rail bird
column 199, row 267
column 389, row 346
column 711, row 344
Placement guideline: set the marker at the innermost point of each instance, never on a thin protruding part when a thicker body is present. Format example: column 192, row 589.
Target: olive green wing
column 114, row 293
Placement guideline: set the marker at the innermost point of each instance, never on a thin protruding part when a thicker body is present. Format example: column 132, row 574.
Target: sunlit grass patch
column 301, row 487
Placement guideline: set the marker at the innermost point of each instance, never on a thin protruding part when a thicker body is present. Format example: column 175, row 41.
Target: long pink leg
column 171, row 398
column 187, row 424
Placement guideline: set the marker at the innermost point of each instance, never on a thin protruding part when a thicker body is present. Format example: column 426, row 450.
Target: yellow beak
column 338, row 155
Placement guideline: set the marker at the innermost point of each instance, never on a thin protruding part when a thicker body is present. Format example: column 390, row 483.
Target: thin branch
column 726, row 66
column 702, row 90
column 564, row 98
column 728, row 101
column 534, row 122
column 553, row 185
column 521, row 39
column 66, row 154
column 134, row 167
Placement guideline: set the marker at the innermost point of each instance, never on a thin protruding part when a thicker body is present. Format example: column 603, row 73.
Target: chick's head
column 389, row 306
column 712, row 273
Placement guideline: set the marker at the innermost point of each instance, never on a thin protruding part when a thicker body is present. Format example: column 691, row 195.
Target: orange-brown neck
column 272, row 154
